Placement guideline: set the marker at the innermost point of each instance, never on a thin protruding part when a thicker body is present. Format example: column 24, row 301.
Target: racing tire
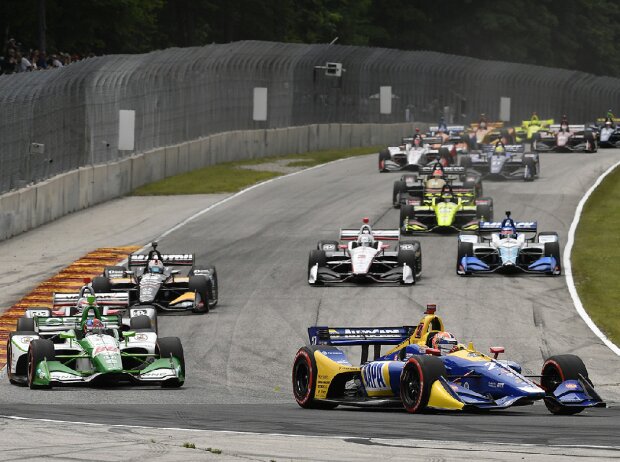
column 304, row 379
column 153, row 326
column 141, row 323
column 535, row 140
column 552, row 249
column 383, row 156
column 409, row 258
column 465, row 249
column 316, row 256
column 101, row 285
column 485, row 211
column 200, row 285
column 25, row 324
column 444, row 154
column 529, row 169
column 465, row 162
column 213, row 291
column 556, row 370
column 39, row 350
column 171, row 346
column 416, row 380
column 416, row 247
column 406, row 211
column 589, row 137
column 327, row 246
column 113, row 269
column 400, row 187
column 22, row 366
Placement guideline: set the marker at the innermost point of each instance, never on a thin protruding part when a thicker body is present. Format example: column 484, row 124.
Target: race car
column 503, row 162
column 444, row 211
column 427, row 369
column 527, row 129
column 431, row 178
column 484, row 132
column 365, row 258
column 114, row 303
column 92, row 349
column 608, row 133
column 565, row 138
column 504, row 247
column 151, row 280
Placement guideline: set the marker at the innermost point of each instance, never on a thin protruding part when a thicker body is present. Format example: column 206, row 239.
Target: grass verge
column 596, row 254
column 232, row 177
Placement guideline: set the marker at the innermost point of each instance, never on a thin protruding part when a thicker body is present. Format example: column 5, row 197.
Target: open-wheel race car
column 169, row 282
column 504, row 247
column 565, row 138
column 503, row 162
column 365, row 257
column 92, row 349
column 426, row 368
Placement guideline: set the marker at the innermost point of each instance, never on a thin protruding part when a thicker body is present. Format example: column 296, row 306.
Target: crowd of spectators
column 16, row 59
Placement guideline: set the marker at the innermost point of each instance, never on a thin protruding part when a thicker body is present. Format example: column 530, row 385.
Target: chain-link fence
column 182, row 94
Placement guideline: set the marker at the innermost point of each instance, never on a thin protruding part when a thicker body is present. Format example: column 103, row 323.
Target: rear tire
column 327, row 246
column 141, row 323
column 400, row 187
column 416, row 380
column 25, row 324
column 556, row 370
column 304, row 380
column 171, row 346
column 113, row 270
column 484, row 212
column 465, row 162
column 39, row 350
column 406, row 211
column 529, row 172
column 101, row 285
column 200, row 285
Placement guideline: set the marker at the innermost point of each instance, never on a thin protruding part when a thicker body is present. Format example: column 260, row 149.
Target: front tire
column 316, row 257
column 304, row 380
column 200, row 285
column 38, row 351
column 484, row 212
column 400, row 187
column 556, row 370
column 406, row 211
column 383, row 156
column 171, row 346
column 529, row 172
column 465, row 249
column 552, row 249
column 416, row 380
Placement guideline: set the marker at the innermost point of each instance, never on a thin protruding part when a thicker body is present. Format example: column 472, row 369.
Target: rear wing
column 516, row 148
column 186, row 259
column 572, row 128
column 120, row 299
column 320, row 335
column 449, row 128
column 381, row 234
column 447, row 170
column 65, row 323
column 496, row 226
column 542, row 123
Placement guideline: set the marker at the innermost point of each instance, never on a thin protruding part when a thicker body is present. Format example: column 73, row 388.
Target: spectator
column 54, row 62
column 9, row 63
column 23, row 65
column 42, row 61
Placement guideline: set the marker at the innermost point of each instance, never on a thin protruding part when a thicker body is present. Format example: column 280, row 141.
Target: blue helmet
column 508, row 232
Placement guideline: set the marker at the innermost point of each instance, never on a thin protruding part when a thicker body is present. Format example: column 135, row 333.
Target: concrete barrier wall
column 41, row 203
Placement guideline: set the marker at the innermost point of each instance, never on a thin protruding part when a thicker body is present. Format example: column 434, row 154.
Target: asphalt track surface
column 239, row 356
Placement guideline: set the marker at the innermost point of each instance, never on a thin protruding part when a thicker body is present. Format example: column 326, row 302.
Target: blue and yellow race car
column 427, row 369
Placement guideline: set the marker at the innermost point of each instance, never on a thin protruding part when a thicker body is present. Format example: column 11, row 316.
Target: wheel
column 484, row 212
column 589, row 137
column 114, row 271
column 416, row 380
column 200, row 285
column 210, row 273
column 383, row 156
column 535, row 141
column 529, row 169
column 316, row 257
column 416, row 248
column 406, row 211
column 25, row 324
column 141, row 322
column 465, row 162
column 444, row 154
column 22, row 364
column 39, row 350
column 152, row 322
column 305, row 377
column 465, row 249
column 409, row 258
column 101, row 285
column 552, row 249
column 327, row 246
column 400, row 187
column 556, row 370
column 171, row 346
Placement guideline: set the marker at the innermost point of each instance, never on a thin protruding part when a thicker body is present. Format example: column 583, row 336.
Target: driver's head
column 155, row 266
column 608, row 123
column 483, row 124
column 417, row 142
column 499, row 149
column 93, row 326
column 365, row 240
column 437, row 173
column 445, row 342
column 508, row 232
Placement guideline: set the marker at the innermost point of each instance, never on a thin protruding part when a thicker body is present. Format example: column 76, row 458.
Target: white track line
column 568, row 268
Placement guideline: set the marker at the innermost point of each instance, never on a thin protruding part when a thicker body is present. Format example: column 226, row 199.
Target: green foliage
column 596, row 254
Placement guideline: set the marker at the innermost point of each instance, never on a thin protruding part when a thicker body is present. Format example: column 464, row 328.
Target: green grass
column 596, row 254
column 230, row 177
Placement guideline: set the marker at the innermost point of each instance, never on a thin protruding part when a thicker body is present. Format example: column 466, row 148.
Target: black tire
column 408, row 257
column 200, row 285
column 465, row 249
column 22, row 367
column 304, row 379
column 25, row 324
column 101, row 285
column 39, row 350
column 557, row 369
column 444, row 153
column 416, row 248
column 327, row 246
column 406, row 211
column 400, row 187
column 589, row 137
column 316, row 256
column 153, row 322
column 383, row 156
column 171, row 346
column 113, row 269
column 552, row 249
column 141, row 323
column 465, row 162
column 485, row 211
column 529, row 169
column 214, row 290
column 535, row 140
column 416, row 380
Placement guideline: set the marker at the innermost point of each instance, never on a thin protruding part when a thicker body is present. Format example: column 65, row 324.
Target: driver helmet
column 417, row 142
column 608, row 123
column 499, row 149
column 445, row 342
column 365, row 240
column 155, row 266
column 437, row 173
column 482, row 124
column 93, row 326
column 508, row 232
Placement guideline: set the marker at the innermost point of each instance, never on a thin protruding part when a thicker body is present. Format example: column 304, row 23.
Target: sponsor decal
column 135, row 313
column 571, row 386
column 158, row 374
column 406, row 246
column 141, row 337
column 362, row 332
column 105, row 348
column 26, row 339
column 466, row 385
column 373, row 376
column 496, row 385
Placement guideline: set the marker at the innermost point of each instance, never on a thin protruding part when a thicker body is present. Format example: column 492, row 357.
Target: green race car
column 91, row 348
column 445, row 211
